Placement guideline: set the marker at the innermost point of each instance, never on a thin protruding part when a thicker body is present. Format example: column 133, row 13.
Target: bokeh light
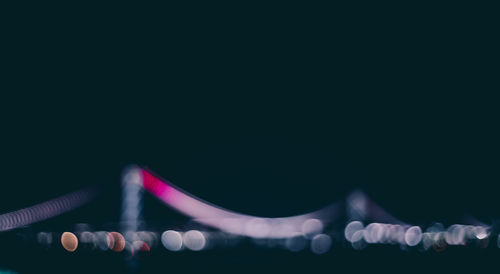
column 69, row 241
column 321, row 244
column 351, row 229
column 194, row 240
column 413, row 236
column 116, row 241
column 172, row 240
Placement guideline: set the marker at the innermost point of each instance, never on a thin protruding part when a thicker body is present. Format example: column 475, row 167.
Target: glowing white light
column 172, row 240
column 413, row 236
column 373, row 233
column 194, row 240
column 312, row 227
column 455, row 235
column 351, row 229
column 480, row 232
column 321, row 243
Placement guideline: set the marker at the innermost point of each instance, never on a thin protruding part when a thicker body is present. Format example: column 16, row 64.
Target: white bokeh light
column 194, row 240
column 373, row 233
column 413, row 236
column 351, row 229
column 171, row 240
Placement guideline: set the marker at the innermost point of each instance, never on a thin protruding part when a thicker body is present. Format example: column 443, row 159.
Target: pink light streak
column 227, row 220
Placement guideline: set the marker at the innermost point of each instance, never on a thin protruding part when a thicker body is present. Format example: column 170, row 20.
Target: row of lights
column 102, row 240
column 435, row 236
column 312, row 236
column 173, row 240
column 133, row 241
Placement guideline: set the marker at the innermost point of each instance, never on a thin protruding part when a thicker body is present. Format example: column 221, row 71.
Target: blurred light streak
column 46, row 210
column 132, row 189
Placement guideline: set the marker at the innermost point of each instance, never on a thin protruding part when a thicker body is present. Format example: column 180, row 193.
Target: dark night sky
column 269, row 118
